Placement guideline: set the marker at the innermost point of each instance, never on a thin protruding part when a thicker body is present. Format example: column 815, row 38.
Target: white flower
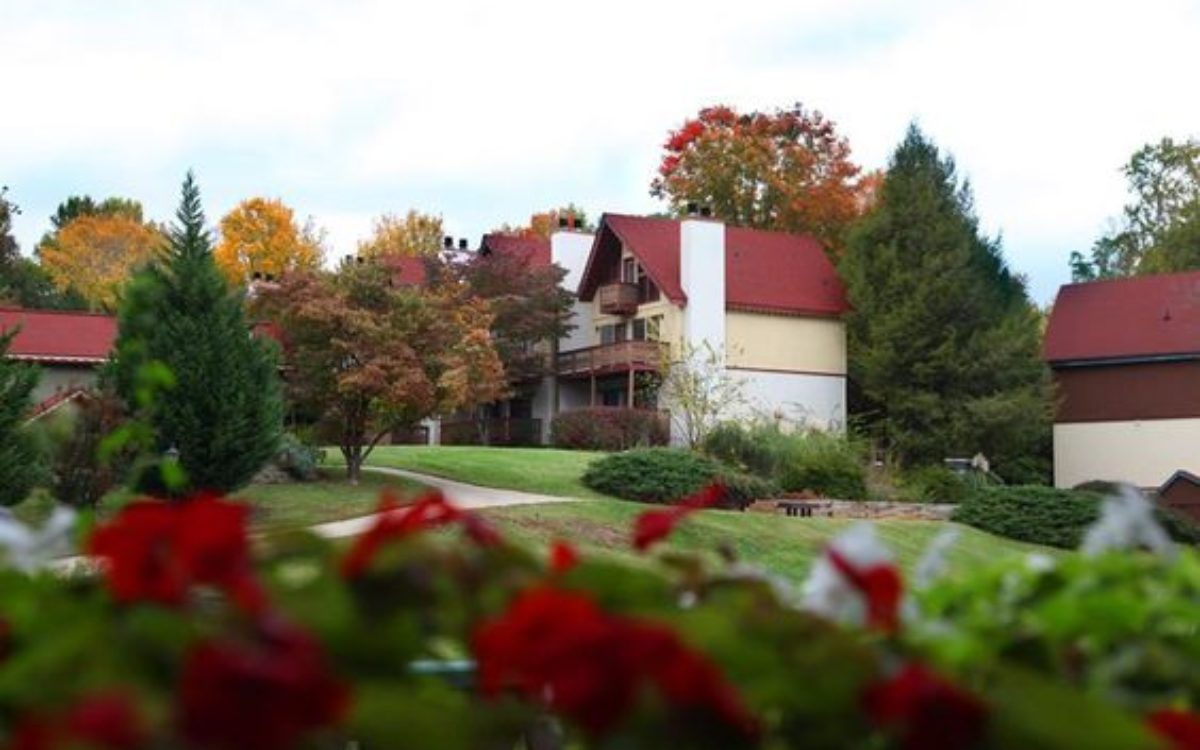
column 28, row 549
column 827, row 592
column 933, row 562
column 1039, row 562
column 1127, row 522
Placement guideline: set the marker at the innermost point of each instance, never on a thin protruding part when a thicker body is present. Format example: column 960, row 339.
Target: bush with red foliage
column 609, row 428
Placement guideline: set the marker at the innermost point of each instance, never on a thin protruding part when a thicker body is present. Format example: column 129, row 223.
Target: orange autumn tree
column 261, row 235
column 414, row 234
column 543, row 223
column 95, row 254
column 787, row 170
column 371, row 357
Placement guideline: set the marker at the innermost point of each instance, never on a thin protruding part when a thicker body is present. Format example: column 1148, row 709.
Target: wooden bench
column 802, row 508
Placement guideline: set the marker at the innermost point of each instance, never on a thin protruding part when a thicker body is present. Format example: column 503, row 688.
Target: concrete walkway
column 460, row 493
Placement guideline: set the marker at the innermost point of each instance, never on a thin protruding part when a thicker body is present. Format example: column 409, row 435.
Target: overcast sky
column 484, row 112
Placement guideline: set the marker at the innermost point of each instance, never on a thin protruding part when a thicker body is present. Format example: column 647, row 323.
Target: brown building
column 1125, row 355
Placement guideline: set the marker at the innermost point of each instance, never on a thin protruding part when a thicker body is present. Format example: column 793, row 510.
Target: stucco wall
column 788, row 343
column 1143, row 452
column 799, row 400
column 57, row 377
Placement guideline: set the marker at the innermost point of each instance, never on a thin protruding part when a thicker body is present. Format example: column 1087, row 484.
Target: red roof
column 764, row 271
column 1138, row 318
column 407, row 270
column 59, row 337
column 536, row 250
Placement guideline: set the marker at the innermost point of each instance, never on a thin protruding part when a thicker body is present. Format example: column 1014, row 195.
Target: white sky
column 485, row 112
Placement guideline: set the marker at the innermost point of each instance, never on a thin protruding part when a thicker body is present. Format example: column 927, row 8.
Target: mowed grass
column 784, row 545
column 540, row 470
column 274, row 506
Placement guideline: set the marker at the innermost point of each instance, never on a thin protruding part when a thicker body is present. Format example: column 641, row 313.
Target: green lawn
column 541, row 470
column 276, row 506
column 784, row 545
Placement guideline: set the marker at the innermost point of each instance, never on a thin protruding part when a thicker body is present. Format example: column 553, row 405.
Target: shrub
column 663, row 475
column 830, row 465
column 78, row 475
column 298, row 459
column 1044, row 515
column 934, row 484
column 757, row 449
column 608, row 429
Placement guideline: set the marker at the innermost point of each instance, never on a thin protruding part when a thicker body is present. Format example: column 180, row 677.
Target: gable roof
column 59, row 337
column 535, row 250
column 1142, row 318
column 765, row 271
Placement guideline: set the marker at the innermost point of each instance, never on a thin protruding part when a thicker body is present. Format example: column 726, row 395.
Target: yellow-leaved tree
column 414, row 234
column 96, row 254
column 261, row 235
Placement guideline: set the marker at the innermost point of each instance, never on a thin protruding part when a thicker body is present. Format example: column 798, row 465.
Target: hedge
column 609, row 428
column 661, row 475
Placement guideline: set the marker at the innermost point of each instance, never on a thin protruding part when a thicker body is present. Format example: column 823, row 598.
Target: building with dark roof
column 69, row 347
column 1125, row 355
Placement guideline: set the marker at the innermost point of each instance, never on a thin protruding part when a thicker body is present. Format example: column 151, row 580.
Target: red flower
column 559, row 648
column 655, row 525
column 880, row 585
column 156, row 551
column 563, row 557
column 926, row 711
column 102, row 720
column 1181, row 728
column 265, row 694
column 393, row 522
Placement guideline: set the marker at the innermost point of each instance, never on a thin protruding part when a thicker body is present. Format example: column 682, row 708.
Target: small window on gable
column 629, row 270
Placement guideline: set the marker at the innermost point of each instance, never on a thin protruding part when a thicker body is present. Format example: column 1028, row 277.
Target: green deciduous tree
column 224, row 414
column 23, row 282
column 944, row 342
column 19, row 467
column 1159, row 229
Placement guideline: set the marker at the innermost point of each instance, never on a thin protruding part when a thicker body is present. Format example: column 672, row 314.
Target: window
column 654, row 328
column 639, row 329
column 629, row 271
column 612, row 334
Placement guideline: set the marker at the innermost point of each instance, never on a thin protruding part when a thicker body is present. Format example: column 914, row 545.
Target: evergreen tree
column 224, row 413
column 944, row 340
column 19, row 467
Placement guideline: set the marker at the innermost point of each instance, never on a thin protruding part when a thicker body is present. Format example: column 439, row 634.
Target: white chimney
column 702, row 275
column 570, row 249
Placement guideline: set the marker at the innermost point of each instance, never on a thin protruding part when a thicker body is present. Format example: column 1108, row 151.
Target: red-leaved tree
column 368, row 358
column 787, row 170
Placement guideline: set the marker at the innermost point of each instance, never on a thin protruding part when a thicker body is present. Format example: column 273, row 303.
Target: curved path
column 460, row 493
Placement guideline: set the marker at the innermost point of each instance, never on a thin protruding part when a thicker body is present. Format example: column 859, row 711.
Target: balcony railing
column 618, row 299
column 639, row 356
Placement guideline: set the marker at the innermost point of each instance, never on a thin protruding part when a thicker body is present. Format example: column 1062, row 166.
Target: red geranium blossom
column 264, row 694
column 394, row 522
column 655, row 525
column 154, row 551
column 926, row 711
column 102, row 720
column 1180, row 727
column 563, row 557
column 880, row 585
column 559, row 648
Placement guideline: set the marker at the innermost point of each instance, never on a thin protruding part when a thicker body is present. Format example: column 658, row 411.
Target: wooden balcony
column 623, row 356
column 618, row 299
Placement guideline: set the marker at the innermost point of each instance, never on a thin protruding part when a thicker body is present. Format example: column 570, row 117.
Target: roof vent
column 563, row 221
column 359, row 259
column 448, row 242
column 257, row 276
column 462, row 243
column 706, row 211
column 692, row 208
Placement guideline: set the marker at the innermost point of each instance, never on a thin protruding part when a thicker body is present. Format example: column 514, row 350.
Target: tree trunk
column 354, row 460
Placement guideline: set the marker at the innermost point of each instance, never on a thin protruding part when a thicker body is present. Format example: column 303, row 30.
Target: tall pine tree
column 944, row 341
column 19, row 467
column 224, row 414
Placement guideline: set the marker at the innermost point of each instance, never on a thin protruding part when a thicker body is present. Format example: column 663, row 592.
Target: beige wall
column 1145, row 453
column 55, row 378
column 670, row 329
column 785, row 343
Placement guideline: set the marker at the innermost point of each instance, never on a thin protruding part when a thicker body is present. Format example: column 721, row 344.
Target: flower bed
column 189, row 637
